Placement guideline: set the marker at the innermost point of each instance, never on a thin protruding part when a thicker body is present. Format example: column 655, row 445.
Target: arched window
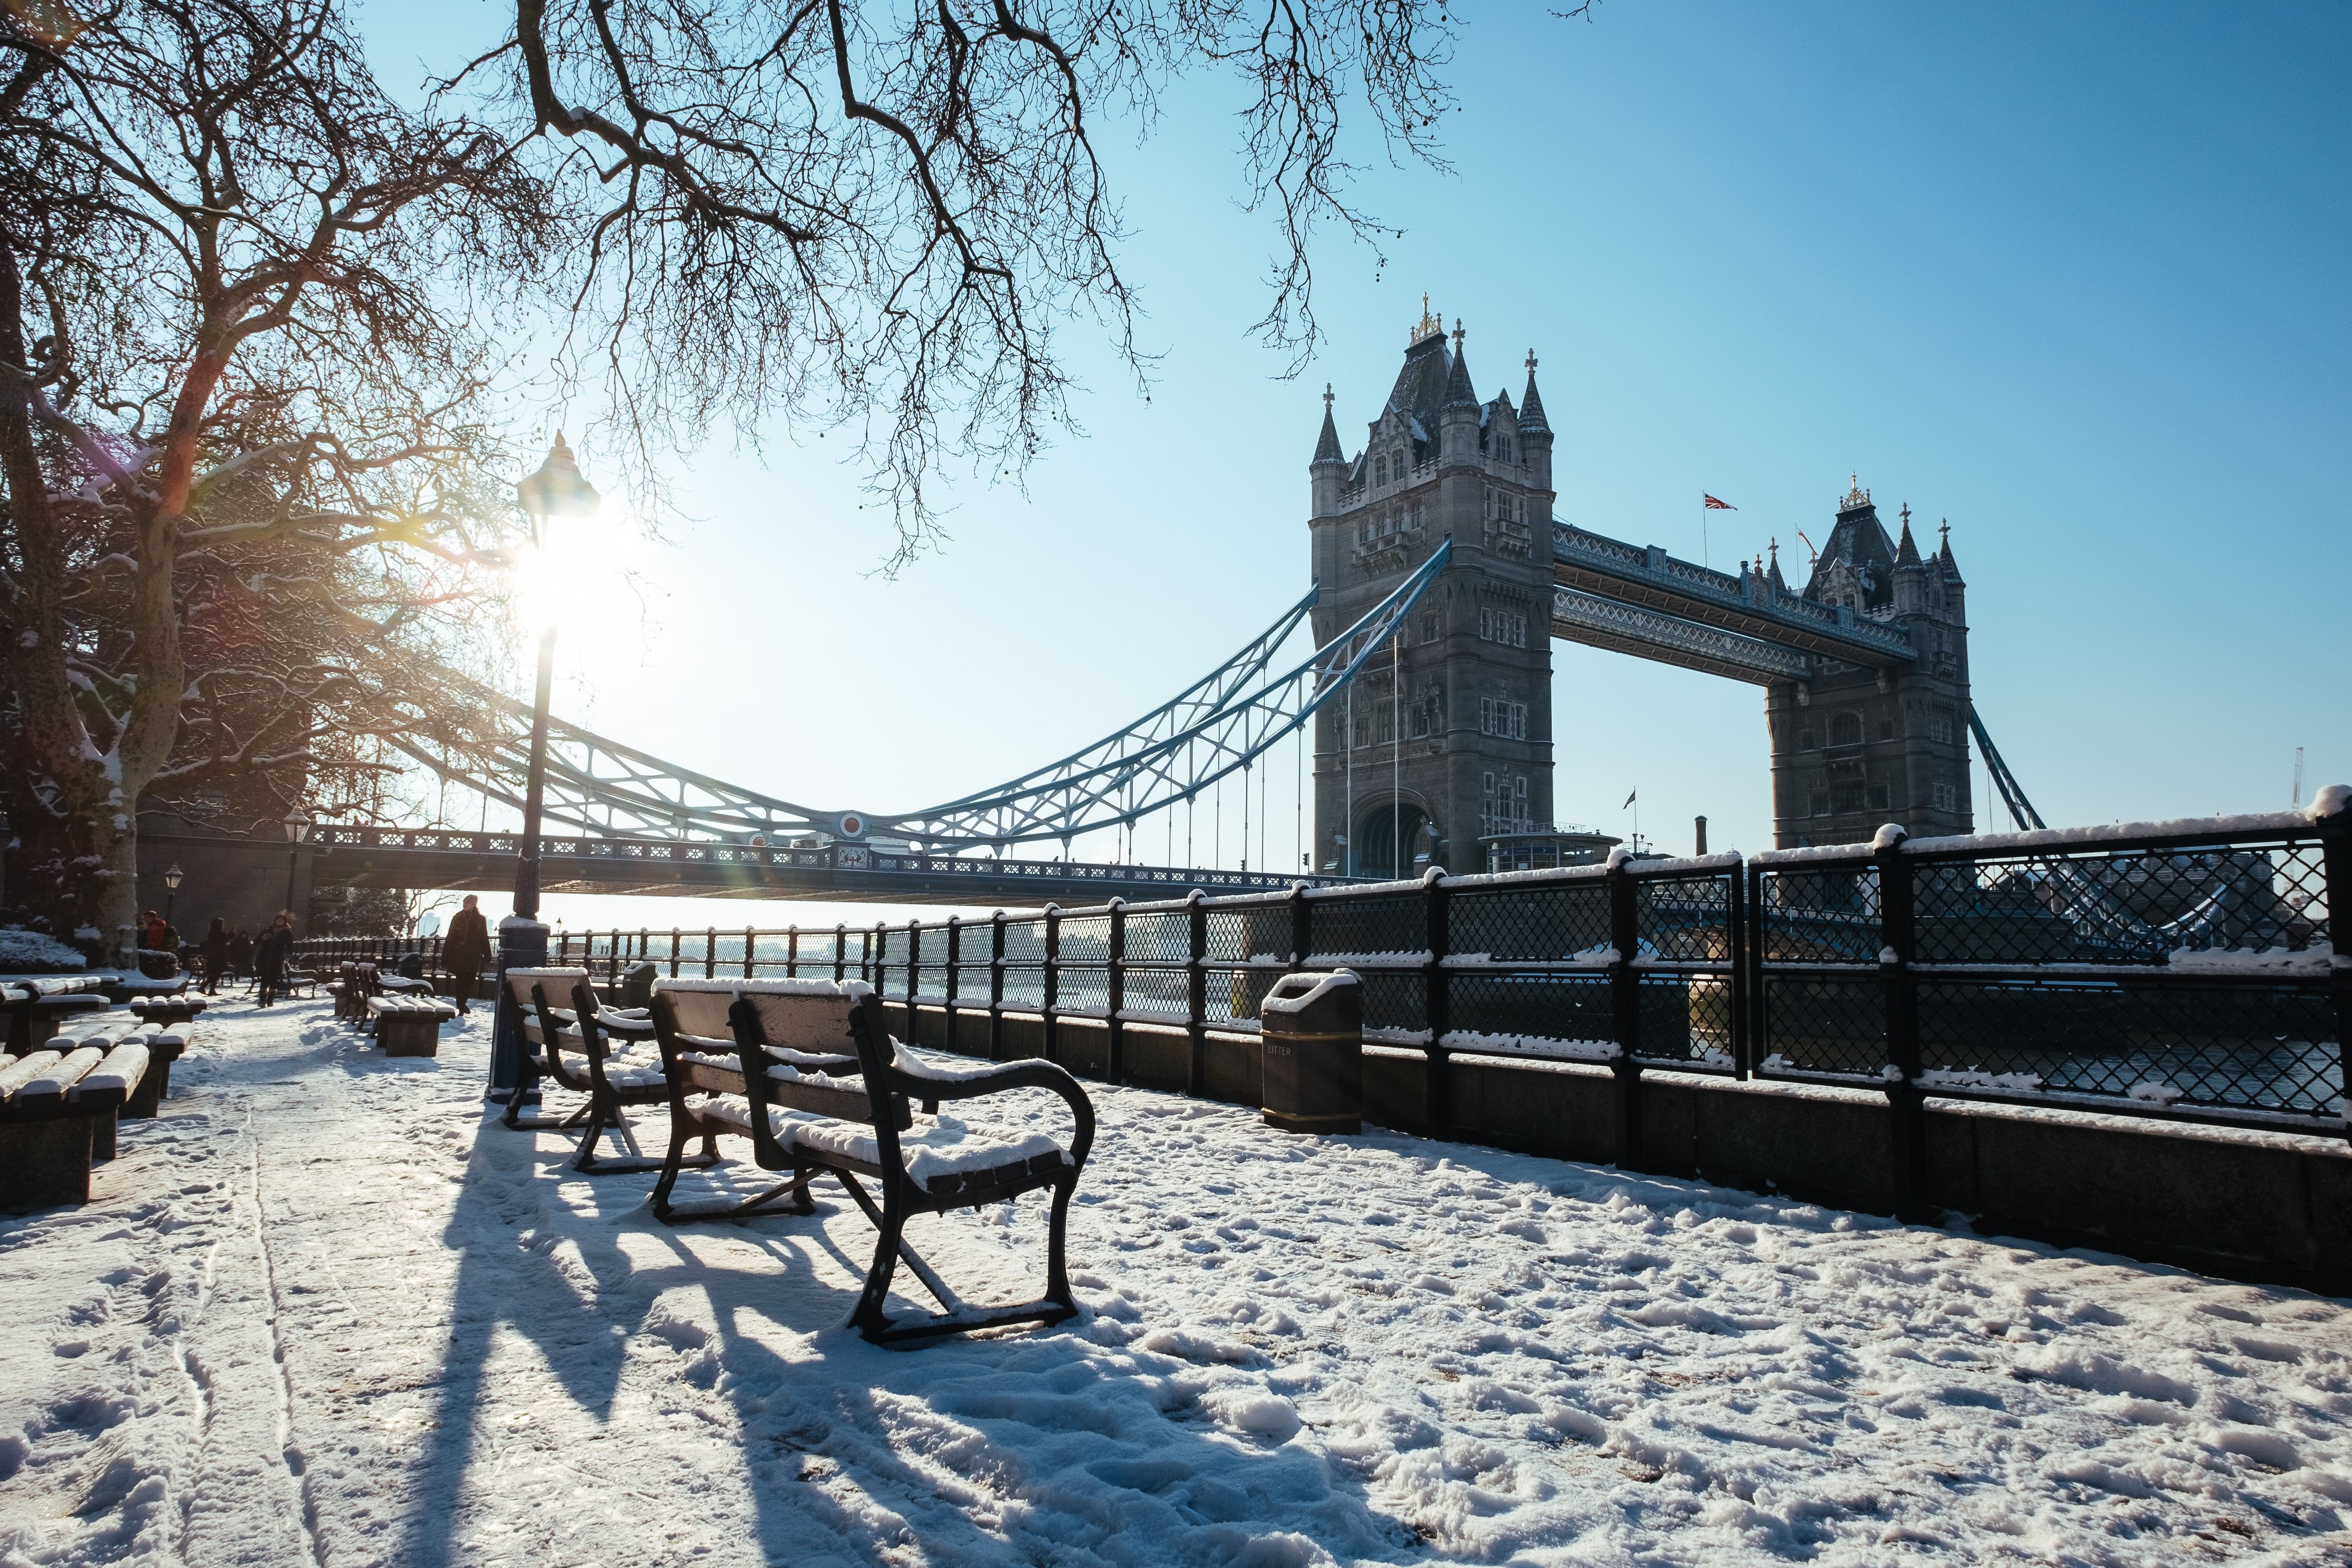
column 1845, row 729
column 1380, row 471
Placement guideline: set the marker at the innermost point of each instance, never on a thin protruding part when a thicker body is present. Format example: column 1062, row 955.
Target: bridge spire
column 1459, row 392
column 1326, row 445
column 1531, row 408
column 1944, row 557
column 1907, row 553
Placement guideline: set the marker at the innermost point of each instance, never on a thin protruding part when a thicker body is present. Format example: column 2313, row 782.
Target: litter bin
column 1311, row 1030
column 638, row 985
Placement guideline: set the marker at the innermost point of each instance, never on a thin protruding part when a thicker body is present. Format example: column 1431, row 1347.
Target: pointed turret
column 1326, row 445
column 1907, row 553
column 1944, row 558
column 1458, row 392
column 1531, row 408
column 1773, row 573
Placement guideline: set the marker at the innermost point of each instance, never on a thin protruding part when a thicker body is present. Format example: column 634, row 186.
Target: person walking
column 154, row 935
column 215, row 955
column 269, row 956
column 467, row 950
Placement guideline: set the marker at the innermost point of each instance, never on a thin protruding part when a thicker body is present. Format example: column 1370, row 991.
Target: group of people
column 225, row 955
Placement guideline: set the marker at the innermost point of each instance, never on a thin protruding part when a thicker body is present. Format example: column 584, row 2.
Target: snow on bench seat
column 940, row 1153
column 122, row 1069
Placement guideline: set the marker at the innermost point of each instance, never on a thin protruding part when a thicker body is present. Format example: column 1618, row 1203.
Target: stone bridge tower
column 1855, row 747
column 1451, row 741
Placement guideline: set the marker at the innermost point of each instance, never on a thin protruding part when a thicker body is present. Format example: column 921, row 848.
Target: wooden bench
column 163, row 1048
column 162, row 1013
column 607, row 1054
column 37, row 1007
column 57, row 1111
column 806, row 1071
column 408, row 1025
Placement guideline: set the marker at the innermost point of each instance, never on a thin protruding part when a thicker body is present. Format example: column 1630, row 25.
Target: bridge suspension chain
column 1220, row 724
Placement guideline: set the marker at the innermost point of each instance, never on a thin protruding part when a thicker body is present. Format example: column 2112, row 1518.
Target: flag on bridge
column 1628, row 800
column 1715, row 505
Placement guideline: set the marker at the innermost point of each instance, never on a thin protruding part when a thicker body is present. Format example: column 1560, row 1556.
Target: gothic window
column 1845, row 729
column 1849, row 796
column 1380, row 471
column 1880, row 797
column 1819, row 805
column 1946, row 797
column 1383, row 722
column 1939, row 729
column 1501, row 717
column 1429, row 621
column 1420, row 514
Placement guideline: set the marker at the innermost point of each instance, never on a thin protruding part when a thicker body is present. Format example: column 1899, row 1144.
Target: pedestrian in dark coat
column 269, row 956
column 467, row 950
column 215, row 954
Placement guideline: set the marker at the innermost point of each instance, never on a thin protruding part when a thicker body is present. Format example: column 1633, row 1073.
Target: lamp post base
column 522, row 944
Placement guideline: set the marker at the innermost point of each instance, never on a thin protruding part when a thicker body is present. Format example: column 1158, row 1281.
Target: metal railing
column 2181, row 970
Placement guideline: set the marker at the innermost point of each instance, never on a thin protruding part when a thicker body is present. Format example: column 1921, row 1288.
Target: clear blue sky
column 2072, row 277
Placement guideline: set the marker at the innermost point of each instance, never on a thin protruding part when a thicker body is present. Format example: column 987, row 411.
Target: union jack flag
column 1715, row 505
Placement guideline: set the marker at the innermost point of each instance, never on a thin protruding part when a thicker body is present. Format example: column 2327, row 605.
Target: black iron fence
column 2184, row 970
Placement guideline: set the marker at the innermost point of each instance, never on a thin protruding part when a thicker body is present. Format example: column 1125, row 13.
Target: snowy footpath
column 325, row 1312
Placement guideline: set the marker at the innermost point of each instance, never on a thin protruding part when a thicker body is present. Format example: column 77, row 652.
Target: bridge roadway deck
column 837, row 873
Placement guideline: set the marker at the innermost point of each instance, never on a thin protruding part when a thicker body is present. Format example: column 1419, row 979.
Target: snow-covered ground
column 322, row 1313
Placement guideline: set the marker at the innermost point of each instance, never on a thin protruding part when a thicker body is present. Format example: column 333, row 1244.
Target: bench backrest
column 808, row 1031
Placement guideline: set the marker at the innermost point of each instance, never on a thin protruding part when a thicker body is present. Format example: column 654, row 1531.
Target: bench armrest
column 920, row 1081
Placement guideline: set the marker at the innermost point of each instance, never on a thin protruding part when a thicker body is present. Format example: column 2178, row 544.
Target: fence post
column 750, row 935
column 1905, row 1105
column 1301, row 938
column 1052, row 1026
column 1437, row 1091
column 1196, row 994
column 870, row 948
column 2335, row 869
column 1734, row 919
column 913, row 973
column 840, row 951
column 675, row 946
column 1114, row 996
column 996, row 986
column 1625, row 1012
column 711, row 953
column 955, row 960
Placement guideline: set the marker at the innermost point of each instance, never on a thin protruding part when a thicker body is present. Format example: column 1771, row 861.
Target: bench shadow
column 850, row 1452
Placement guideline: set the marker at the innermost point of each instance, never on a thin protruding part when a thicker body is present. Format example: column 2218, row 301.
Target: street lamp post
column 557, row 489
column 172, row 880
column 298, row 828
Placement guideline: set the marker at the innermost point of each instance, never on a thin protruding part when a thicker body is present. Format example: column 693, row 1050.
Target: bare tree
column 884, row 214
column 240, row 382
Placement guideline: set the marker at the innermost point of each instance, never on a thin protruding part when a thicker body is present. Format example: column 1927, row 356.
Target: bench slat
column 23, row 1069
column 50, row 1086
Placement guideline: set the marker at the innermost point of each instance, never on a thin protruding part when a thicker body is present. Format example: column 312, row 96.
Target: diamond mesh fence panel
column 1024, row 986
column 931, row 980
column 1530, row 1010
column 1825, row 916
column 1085, row 938
column 1162, row 993
column 1249, row 931
column 1394, row 1001
column 1084, row 990
column 1687, row 1022
column 2216, row 1043
column 1823, row 1024
column 1024, row 942
column 1533, row 924
column 1341, row 928
column 2125, row 905
column 1232, row 994
column 1160, row 937
column 1683, row 920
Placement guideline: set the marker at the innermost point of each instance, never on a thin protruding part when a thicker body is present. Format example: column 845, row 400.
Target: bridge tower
column 1854, row 747
column 1451, row 741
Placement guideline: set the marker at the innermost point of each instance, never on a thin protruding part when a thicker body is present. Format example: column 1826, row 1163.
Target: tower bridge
column 1442, row 576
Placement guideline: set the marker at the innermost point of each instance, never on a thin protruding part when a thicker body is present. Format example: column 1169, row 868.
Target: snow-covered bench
column 57, row 1110
column 806, row 1071
column 37, row 1007
column 409, row 1025
column 163, row 1012
column 163, row 1047
column 607, row 1054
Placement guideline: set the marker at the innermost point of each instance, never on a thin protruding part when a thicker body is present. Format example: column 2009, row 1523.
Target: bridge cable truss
column 2012, row 794
column 1217, row 726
